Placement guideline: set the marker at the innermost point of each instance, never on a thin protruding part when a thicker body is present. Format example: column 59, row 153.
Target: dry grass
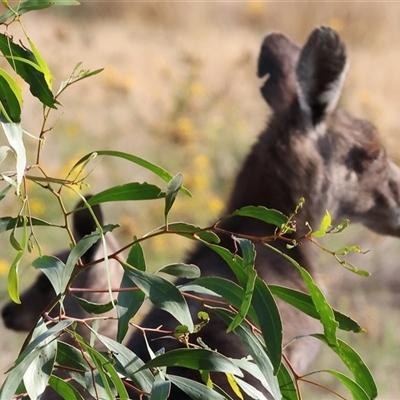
column 179, row 88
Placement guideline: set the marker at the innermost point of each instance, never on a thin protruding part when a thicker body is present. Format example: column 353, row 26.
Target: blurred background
column 179, row 88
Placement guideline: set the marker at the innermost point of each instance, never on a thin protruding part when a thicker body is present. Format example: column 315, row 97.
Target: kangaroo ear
column 83, row 224
column 320, row 73
column 278, row 59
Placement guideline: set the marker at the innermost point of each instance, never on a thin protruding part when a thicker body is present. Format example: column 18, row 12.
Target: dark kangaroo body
column 309, row 149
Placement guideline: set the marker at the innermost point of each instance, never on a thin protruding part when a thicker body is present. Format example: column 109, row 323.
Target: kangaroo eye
column 371, row 157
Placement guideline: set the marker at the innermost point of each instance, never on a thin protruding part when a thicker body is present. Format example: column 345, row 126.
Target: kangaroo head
column 314, row 149
column 21, row 317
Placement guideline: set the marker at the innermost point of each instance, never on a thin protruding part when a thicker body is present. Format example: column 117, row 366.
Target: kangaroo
column 22, row 317
column 310, row 148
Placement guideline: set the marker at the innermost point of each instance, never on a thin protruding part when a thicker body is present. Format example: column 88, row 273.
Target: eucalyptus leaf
column 129, row 191
column 197, row 359
column 162, row 293
column 195, row 390
column 160, row 172
column 267, row 215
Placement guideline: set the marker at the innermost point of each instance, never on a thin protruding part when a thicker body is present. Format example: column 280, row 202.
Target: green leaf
column 340, row 227
column 128, row 363
column 38, row 373
column 192, row 232
column 3, row 194
column 53, row 268
column 31, row 75
column 254, row 370
column 321, row 305
column 162, row 294
column 195, row 390
column 10, row 98
column 13, row 279
column 103, row 366
column 325, row 224
column 234, row 261
column 250, row 390
column 13, row 132
column 129, row 191
column 351, row 267
column 162, row 173
column 269, row 321
column 173, row 187
column 257, row 350
column 230, row 291
column 31, row 5
column 129, row 303
column 356, row 390
column 79, row 250
column 42, row 63
column 70, row 356
column 8, row 223
column 95, row 308
column 160, row 390
column 354, row 363
column 22, row 363
column 304, row 303
column 180, row 270
column 197, row 359
column 287, row 386
column 249, row 256
column 64, row 389
column 267, row 215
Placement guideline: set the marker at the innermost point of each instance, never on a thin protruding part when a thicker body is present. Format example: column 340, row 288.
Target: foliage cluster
column 247, row 307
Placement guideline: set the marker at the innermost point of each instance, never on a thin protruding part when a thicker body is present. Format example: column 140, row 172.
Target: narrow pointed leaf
column 129, row 191
column 249, row 256
column 354, row 363
column 162, row 293
column 38, row 373
column 8, row 223
column 129, row 303
column 162, row 173
column 10, row 98
column 195, row 390
column 30, row 5
column 34, row 77
column 13, row 132
column 257, row 350
column 267, row 215
column 188, row 271
column 53, row 268
column 198, row 359
column 192, row 232
column 286, row 384
column 160, row 390
column 128, row 363
column 22, row 363
column 321, row 305
column 64, row 389
column 269, row 321
column 304, row 303
column 173, row 187
column 95, row 308
column 230, row 291
column 356, row 390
